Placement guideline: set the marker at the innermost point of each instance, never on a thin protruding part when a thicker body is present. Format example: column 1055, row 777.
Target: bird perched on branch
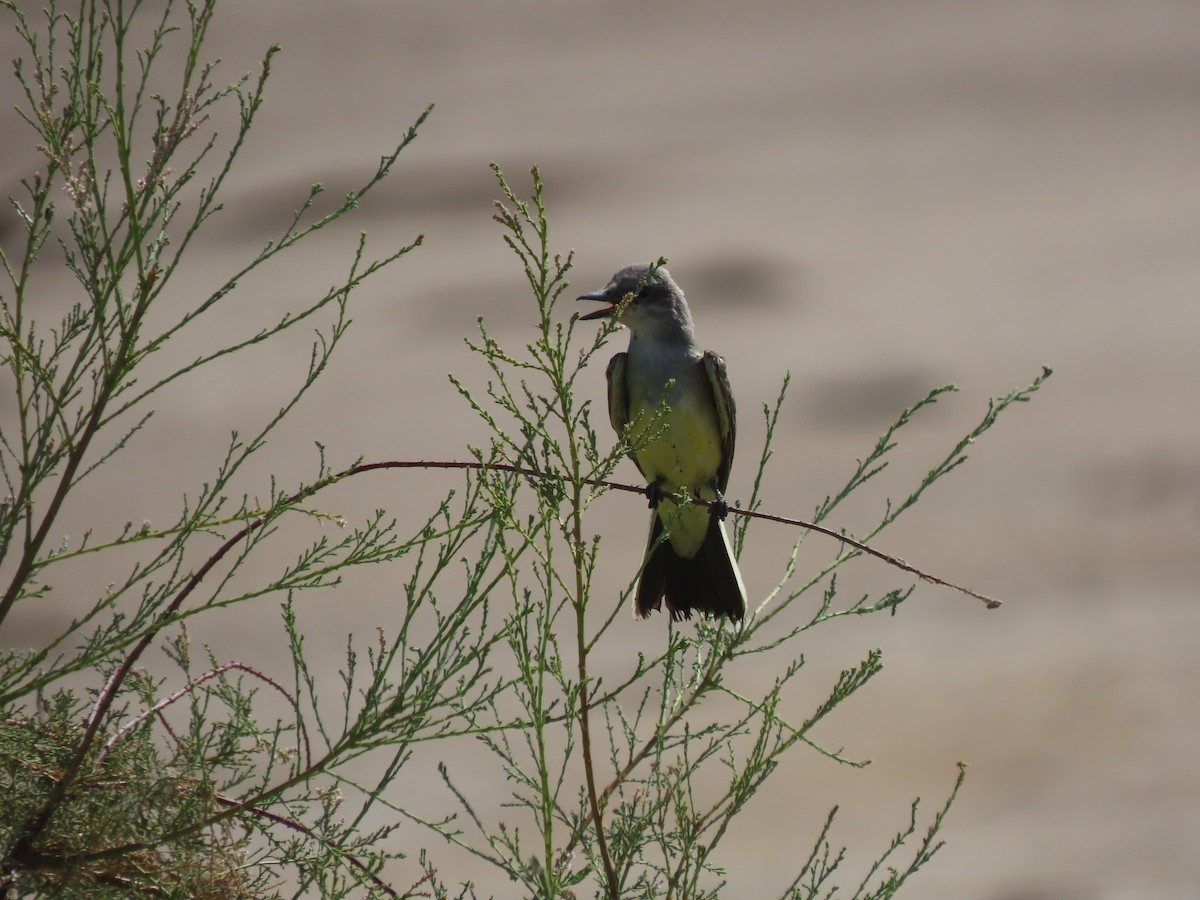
column 672, row 402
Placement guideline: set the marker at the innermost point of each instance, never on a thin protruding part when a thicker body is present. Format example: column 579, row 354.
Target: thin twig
column 158, row 707
column 989, row 602
column 308, row 832
column 899, row 563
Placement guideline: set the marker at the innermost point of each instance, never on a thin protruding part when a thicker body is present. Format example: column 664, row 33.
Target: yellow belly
column 685, row 456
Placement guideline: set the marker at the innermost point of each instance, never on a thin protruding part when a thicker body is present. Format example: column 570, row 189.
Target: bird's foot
column 718, row 507
column 654, row 493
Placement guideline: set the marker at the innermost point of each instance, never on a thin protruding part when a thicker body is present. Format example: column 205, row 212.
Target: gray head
column 657, row 309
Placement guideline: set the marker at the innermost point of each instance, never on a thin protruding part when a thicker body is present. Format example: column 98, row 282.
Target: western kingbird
column 690, row 448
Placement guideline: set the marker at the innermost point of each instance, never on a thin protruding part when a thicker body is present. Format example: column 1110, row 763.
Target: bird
column 673, row 403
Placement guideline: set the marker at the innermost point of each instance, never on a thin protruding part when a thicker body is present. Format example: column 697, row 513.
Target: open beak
column 603, row 297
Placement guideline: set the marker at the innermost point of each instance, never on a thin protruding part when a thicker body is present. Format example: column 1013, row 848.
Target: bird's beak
column 604, row 297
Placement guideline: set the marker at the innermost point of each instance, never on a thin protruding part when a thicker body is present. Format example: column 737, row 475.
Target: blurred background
column 877, row 197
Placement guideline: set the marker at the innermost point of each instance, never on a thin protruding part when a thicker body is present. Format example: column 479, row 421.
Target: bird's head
column 656, row 308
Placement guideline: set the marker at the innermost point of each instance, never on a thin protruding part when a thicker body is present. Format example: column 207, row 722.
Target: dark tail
column 708, row 582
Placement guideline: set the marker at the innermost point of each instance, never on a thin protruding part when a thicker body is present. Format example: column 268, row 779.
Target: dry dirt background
column 879, row 197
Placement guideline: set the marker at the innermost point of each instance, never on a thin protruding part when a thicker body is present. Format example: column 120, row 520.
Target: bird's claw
column 654, row 493
column 718, row 508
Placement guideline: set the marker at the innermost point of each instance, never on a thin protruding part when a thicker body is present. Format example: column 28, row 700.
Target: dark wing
column 714, row 368
column 618, row 398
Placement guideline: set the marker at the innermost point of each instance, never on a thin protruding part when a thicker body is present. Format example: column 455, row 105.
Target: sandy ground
column 879, row 197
